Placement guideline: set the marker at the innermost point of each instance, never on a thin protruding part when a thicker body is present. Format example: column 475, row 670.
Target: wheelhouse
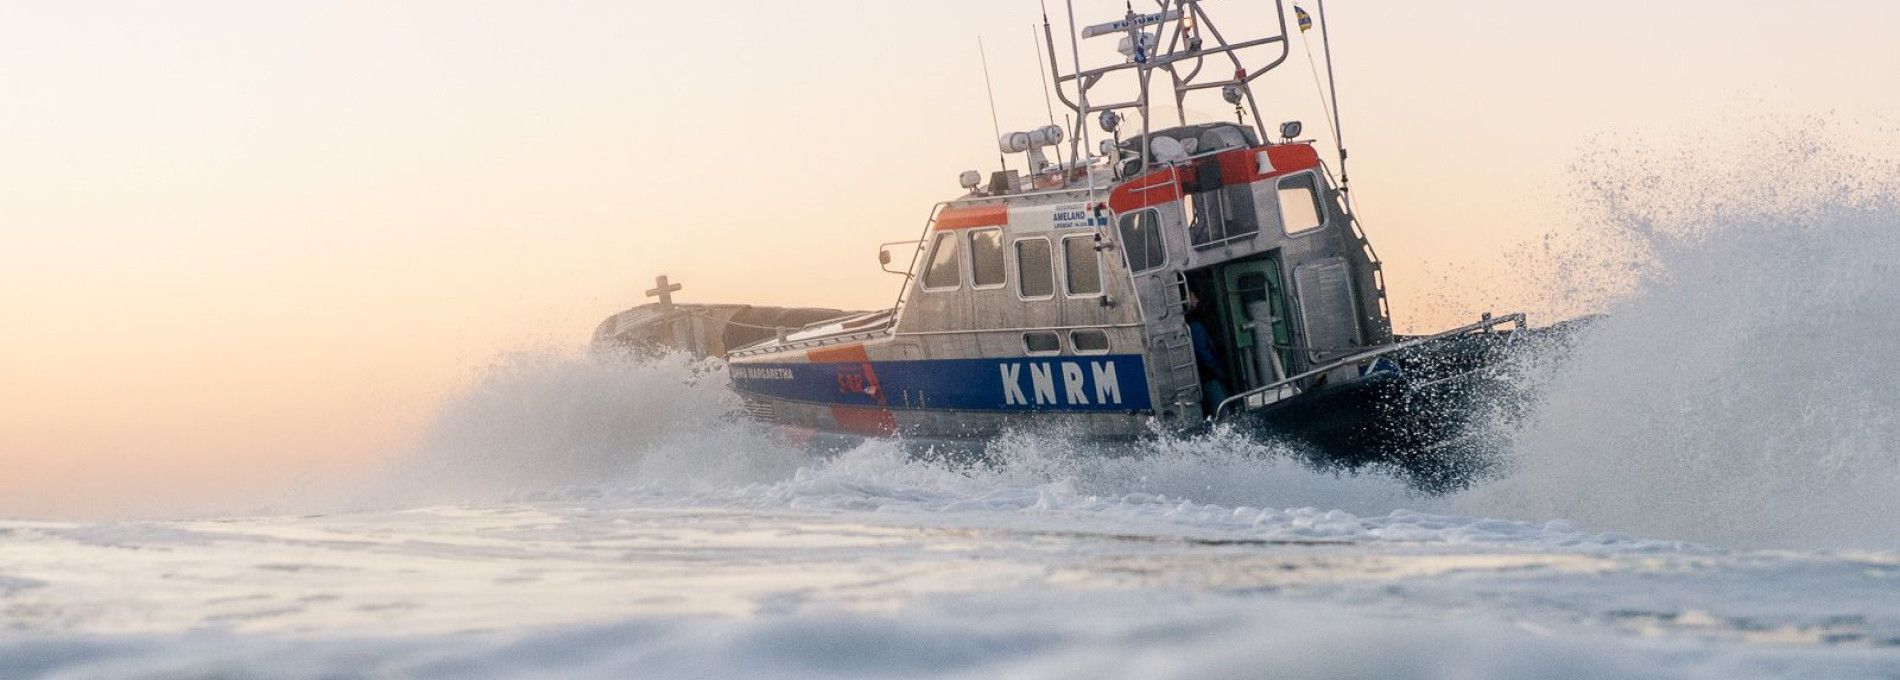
column 1255, row 232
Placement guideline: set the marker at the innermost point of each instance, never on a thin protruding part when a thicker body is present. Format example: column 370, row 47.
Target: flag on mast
column 1306, row 20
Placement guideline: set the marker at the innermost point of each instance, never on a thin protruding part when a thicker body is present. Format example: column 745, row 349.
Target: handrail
column 775, row 348
column 1027, row 329
column 903, row 291
column 1487, row 323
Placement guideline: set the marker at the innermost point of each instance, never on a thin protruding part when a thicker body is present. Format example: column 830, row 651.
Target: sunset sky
column 242, row 243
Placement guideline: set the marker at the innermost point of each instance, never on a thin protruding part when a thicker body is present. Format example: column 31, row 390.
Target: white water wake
column 541, row 427
column 1744, row 389
column 592, row 517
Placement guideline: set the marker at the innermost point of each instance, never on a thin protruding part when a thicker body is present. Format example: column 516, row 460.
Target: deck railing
column 1259, row 398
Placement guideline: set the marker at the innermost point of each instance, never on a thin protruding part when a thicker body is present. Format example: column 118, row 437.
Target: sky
column 245, row 243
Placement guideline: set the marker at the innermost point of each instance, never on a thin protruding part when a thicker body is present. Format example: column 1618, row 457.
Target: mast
column 1081, row 119
column 1332, row 89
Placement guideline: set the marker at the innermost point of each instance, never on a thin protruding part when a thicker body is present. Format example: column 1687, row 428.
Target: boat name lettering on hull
column 1076, row 216
column 761, row 373
column 1109, row 383
column 1100, row 385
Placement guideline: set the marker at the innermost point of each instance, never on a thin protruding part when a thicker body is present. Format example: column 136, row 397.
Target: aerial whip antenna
column 995, row 125
column 1046, row 103
column 1055, row 77
column 1082, row 111
column 1333, row 87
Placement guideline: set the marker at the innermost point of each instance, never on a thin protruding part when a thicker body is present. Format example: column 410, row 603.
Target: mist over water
column 1738, row 390
column 544, row 422
column 1742, row 387
column 543, row 426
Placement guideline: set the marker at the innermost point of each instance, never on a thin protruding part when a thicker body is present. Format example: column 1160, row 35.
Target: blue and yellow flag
column 1306, row 20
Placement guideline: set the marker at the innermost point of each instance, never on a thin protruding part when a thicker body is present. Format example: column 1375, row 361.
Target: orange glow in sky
column 242, row 242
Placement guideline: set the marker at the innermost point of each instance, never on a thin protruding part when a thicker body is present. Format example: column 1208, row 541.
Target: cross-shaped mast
column 663, row 290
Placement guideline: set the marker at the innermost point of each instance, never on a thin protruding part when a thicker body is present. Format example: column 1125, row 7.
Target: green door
column 1252, row 306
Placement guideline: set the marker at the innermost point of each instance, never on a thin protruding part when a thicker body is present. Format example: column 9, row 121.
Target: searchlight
column 1031, row 142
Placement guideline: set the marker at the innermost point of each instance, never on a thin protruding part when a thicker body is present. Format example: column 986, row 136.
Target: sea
column 1705, row 484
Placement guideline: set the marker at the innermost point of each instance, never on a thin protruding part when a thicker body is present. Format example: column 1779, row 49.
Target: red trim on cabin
column 973, row 216
column 1237, row 166
column 1241, row 166
column 1154, row 188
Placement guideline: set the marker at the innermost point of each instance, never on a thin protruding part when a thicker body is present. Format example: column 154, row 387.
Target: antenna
column 1055, row 78
column 1082, row 111
column 1333, row 87
column 995, row 126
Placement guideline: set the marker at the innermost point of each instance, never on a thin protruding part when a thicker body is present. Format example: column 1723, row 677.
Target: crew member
column 1207, row 362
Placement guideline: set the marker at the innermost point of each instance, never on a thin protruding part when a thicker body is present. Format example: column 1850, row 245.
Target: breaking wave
column 551, row 426
column 1741, row 389
column 544, row 422
column 1736, row 391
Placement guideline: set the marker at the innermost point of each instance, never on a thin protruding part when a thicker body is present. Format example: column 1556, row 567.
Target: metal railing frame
column 1169, row 59
column 1486, row 324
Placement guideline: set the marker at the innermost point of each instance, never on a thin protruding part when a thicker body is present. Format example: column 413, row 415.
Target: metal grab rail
column 1190, row 22
column 1487, row 323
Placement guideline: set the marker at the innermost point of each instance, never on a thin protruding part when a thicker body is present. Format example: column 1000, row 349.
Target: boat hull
column 1427, row 416
column 844, row 390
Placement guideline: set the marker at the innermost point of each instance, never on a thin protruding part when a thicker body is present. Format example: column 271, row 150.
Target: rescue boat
column 1168, row 279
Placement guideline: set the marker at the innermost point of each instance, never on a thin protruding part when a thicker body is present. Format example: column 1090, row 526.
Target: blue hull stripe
column 1096, row 383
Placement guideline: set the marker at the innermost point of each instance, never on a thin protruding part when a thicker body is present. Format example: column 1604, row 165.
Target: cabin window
column 1042, row 342
column 1141, row 240
column 1089, row 341
column 1217, row 210
column 1299, row 203
column 986, row 258
column 1035, row 274
column 1083, row 265
column 944, row 271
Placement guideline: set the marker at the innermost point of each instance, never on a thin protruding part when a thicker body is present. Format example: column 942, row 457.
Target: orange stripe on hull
column 877, row 421
column 842, row 354
column 874, row 422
